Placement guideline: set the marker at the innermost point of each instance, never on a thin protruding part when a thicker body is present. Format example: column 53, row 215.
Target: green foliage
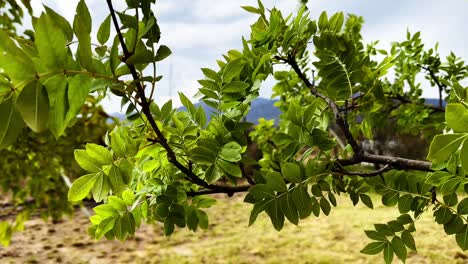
column 158, row 164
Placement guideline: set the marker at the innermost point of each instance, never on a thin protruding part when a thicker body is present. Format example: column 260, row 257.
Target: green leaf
column 302, row 201
column 82, row 28
column 251, row 9
column 78, row 90
column 105, row 210
column 235, row 87
column 232, row 70
column 10, row 123
column 456, row 116
column 86, row 162
column 450, row 185
column 211, row 74
column 454, row 226
column 81, row 187
column 101, row 154
column 57, row 91
column 450, row 199
column 258, row 208
column 390, row 198
column 141, row 56
column 438, row 177
column 105, row 226
column 116, row 180
column 162, row 210
column 404, row 219
column 462, row 238
column 127, row 222
column 14, row 62
column 283, row 139
column 118, row 144
column 275, row 181
column 388, row 253
column 373, row 248
column 231, row 152
column 315, row 207
column 366, row 200
column 212, row 86
column 323, row 21
column 325, row 205
column 192, row 219
column 332, row 198
column 229, row 168
column 162, row 53
column 104, row 31
column 399, row 248
column 203, row 201
column 203, row 155
column 117, row 203
column 51, row 44
column 443, row 215
column 261, row 191
column 33, row 105
column 374, row 235
column 408, row 240
column 289, row 208
column 61, row 22
column 464, row 155
column 101, row 187
column 291, row 172
column 187, row 103
column 202, row 219
column 336, row 22
column 404, row 203
column 462, row 207
column 443, row 146
column 128, row 197
column 276, row 215
column 114, row 59
column 168, row 226
column 212, row 174
column 383, row 229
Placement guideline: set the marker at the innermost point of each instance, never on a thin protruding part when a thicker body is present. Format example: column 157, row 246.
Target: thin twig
column 171, row 156
column 291, row 60
column 439, row 85
column 365, row 174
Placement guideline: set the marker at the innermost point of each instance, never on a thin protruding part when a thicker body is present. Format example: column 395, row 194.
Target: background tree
column 36, row 166
column 158, row 167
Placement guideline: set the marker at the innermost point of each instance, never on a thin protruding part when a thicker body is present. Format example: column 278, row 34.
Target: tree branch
column 342, row 123
column 395, row 162
column 230, row 190
column 359, row 154
column 171, row 156
column 365, row 174
column 406, row 100
column 439, row 85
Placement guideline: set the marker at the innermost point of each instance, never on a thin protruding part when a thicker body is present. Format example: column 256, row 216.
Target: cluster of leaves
column 12, row 13
column 37, row 167
column 158, row 166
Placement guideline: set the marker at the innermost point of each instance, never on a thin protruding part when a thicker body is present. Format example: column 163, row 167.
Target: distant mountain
column 262, row 107
column 434, row 101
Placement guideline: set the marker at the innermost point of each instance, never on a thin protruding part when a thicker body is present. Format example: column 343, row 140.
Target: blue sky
column 200, row 31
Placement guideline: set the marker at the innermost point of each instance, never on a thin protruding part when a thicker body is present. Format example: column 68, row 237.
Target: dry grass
column 333, row 239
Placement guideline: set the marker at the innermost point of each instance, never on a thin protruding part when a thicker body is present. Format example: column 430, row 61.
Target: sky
column 199, row 31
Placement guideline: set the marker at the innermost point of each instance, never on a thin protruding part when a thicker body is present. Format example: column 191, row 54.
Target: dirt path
column 333, row 239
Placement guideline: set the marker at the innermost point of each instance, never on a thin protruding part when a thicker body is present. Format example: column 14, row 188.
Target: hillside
column 263, row 107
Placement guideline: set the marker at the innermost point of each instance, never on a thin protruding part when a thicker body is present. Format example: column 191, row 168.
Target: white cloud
column 199, row 31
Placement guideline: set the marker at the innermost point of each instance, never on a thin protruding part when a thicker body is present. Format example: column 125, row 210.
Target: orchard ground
column 337, row 238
